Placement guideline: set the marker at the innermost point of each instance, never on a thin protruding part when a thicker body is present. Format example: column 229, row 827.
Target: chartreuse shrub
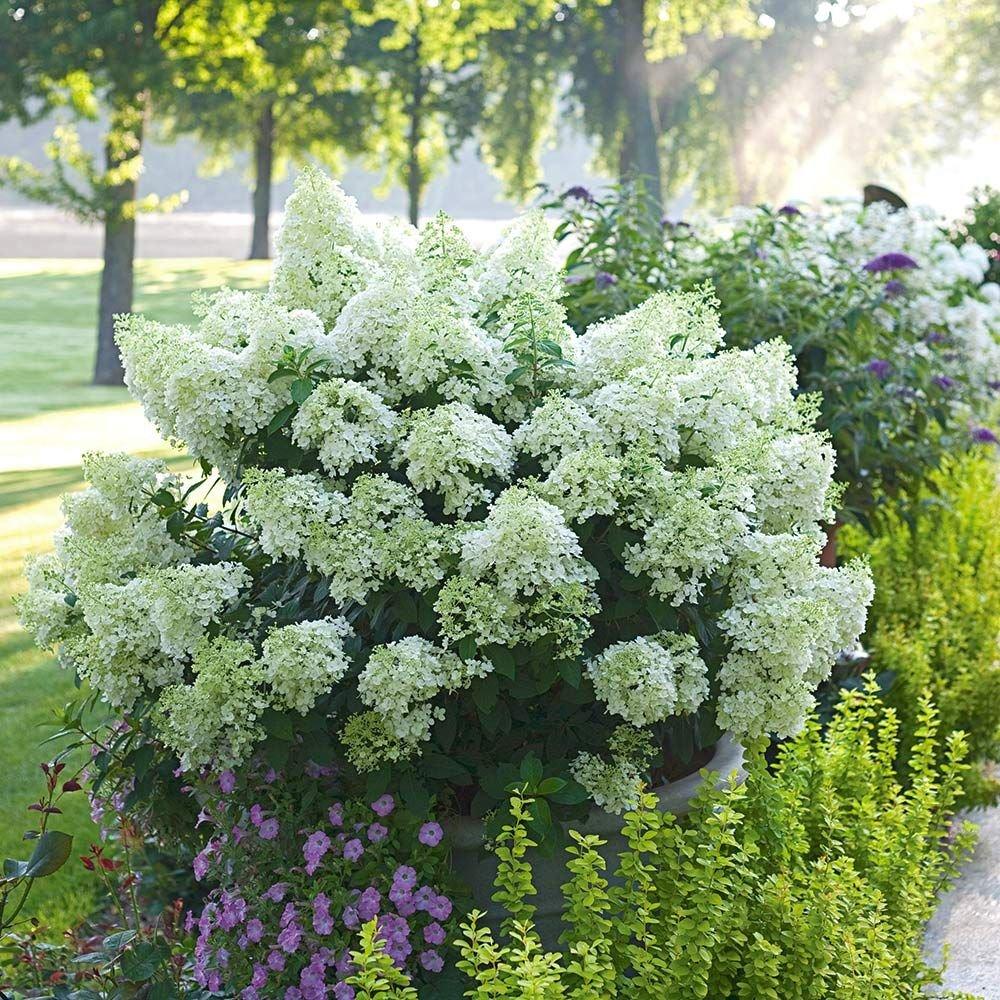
column 812, row 880
column 935, row 622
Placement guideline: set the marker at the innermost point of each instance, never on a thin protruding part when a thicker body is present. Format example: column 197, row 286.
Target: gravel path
column 968, row 920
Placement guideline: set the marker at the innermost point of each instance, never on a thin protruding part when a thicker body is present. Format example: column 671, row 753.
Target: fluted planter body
column 477, row 868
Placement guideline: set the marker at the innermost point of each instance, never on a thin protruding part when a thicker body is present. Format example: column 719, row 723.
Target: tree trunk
column 828, row 555
column 639, row 153
column 117, row 277
column 414, row 171
column 260, row 243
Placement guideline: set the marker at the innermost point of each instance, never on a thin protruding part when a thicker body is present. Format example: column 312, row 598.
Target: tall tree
column 420, row 56
column 520, row 69
column 110, row 57
column 617, row 51
column 289, row 96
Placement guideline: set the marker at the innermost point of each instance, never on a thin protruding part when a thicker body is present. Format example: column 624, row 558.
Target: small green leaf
column 301, row 389
column 51, row 851
column 143, row 961
column 281, row 418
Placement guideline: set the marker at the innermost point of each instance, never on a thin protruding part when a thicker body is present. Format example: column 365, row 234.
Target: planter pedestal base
column 477, row 868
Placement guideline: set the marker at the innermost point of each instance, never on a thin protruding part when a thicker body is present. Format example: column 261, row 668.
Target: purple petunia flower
column 434, row 933
column 259, row 977
column 879, row 368
column 377, row 833
column 313, row 850
column 789, row 209
column 200, row 865
column 343, row 992
column 255, row 930
column 893, row 288
column 268, row 830
column 351, row 919
column 383, row 805
column 894, row 261
column 579, row 192
column 440, row 909
column 276, row 893
column 227, row 781
column 368, row 905
column 604, row 280
column 943, row 382
column 275, row 961
column 354, row 850
column 983, row 435
column 430, row 834
column 256, row 814
column 322, row 919
column 405, row 876
column 290, row 938
column 431, row 960
column 336, row 814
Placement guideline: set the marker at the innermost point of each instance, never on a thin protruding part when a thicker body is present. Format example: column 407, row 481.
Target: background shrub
column 935, row 621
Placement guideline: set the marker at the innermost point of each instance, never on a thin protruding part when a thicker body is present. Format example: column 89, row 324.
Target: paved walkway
column 968, row 921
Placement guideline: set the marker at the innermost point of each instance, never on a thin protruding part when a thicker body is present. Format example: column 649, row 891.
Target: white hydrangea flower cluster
column 650, row 678
column 215, row 720
column 787, row 620
column 305, row 660
column 463, row 461
column 346, row 423
column 358, row 541
column 401, row 679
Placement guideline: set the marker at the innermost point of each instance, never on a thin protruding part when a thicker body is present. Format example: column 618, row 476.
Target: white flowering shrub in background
column 456, row 536
column 890, row 323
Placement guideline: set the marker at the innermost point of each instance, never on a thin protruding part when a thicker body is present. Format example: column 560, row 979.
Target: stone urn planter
column 477, row 868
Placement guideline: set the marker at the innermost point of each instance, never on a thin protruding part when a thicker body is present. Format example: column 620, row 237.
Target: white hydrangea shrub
column 442, row 503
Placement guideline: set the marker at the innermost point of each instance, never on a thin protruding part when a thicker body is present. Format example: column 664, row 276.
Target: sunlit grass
column 49, row 416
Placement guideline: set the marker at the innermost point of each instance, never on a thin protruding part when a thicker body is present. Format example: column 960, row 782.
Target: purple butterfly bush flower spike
column 983, row 435
column 789, row 210
column 894, row 261
column 580, row 193
column 879, row 367
column 893, row 288
column 944, row 382
column 604, row 280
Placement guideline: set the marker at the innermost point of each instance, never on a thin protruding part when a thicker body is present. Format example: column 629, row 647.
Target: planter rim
column 466, row 833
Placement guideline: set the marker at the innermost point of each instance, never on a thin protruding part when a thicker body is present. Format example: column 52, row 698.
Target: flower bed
column 458, row 548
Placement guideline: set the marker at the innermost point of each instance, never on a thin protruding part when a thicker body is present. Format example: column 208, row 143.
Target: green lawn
column 49, row 416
